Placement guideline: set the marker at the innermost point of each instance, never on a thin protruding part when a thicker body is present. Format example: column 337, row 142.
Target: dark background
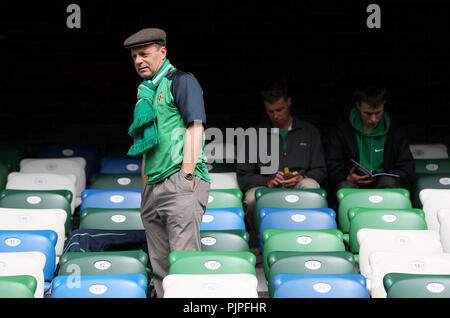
column 79, row 85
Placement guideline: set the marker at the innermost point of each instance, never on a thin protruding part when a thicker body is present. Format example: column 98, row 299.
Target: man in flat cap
column 168, row 131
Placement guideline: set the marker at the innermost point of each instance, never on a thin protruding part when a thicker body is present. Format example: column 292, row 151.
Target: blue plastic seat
column 114, row 199
column 100, row 286
column 44, row 241
column 120, row 165
column 296, row 219
column 320, row 286
column 223, row 219
column 89, row 152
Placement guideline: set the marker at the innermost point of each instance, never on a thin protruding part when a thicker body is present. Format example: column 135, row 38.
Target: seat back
column 383, row 263
column 104, row 263
column 18, row 286
column 116, row 181
column 389, row 219
column 210, row 286
column 432, row 166
column 320, row 286
column 399, row 285
column 444, row 228
column 114, row 199
column 100, row 286
column 301, row 241
column 120, row 165
column 432, row 201
column 192, row 262
column 224, row 241
column 225, row 198
column 223, row 180
column 111, row 219
column 431, row 181
column 369, row 198
column 223, row 219
column 309, row 263
column 401, row 241
column 429, row 151
column 39, row 199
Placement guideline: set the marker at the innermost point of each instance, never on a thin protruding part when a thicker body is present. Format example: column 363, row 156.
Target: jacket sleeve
column 248, row 176
column 336, row 158
column 318, row 169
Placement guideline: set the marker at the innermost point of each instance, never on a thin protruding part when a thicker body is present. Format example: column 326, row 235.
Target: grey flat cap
column 146, row 36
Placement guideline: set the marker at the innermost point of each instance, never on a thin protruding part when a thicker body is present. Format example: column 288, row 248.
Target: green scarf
column 144, row 129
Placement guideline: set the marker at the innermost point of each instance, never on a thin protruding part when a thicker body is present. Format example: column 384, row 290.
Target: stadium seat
column 32, row 241
column 59, row 166
column 296, row 219
column 120, row 165
column 432, row 166
column 100, row 286
column 116, row 181
column 399, row 285
column 44, row 181
column 320, row 286
column 309, row 263
column 301, row 241
column 17, row 286
column 225, row 198
column 45, row 219
column 432, row 201
column 223, row 219
column 39, row 199
column 431, row 181
column 111, row 219
column 25, row 263
column 192, row 262
column 210, row 286
column 104, row 263
column 224, row 241
column 91, row 153
column 113, row 199
column 429, row 151
column 389, row 219
column 224, row 180
column 400, row 241
column 369, row 198
column 444, row 228
column 288, row 198
column 383, row 263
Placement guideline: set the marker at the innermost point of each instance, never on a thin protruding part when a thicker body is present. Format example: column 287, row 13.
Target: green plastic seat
column 384, row 219
column 330, row 240
column 111, row 219
column 12, row 153
column 225, row 241
column 399, row 285
column 309, row 263
column 288, row 198
column 104, row 263
column 432, row 166
column 112, row 181
column 369, row 198
column 194, row 262
column 20, row 286
column 39, row 199
column 430, row 181
column 224, row 198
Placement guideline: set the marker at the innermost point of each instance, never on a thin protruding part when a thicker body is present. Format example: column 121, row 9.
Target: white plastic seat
column 429, row 151
column 432, row 201
column 401, row 241
column 224, row 180
column 210, row 286
column 36, row 219
column 444, row 229
column 24, row 263
column 44, row 181
column 60, row 166
column 383, row 263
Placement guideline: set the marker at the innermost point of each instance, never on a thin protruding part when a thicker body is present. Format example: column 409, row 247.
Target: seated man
column 300, row 151
column 371, row 138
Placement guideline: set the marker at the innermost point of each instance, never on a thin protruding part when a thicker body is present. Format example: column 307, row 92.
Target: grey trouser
column 172, row 213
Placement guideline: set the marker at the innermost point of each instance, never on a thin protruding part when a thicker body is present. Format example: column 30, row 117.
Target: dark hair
column 273, row 90
column 373, row 92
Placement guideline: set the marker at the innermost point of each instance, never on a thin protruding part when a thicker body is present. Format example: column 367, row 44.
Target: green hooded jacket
column 370, row 146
